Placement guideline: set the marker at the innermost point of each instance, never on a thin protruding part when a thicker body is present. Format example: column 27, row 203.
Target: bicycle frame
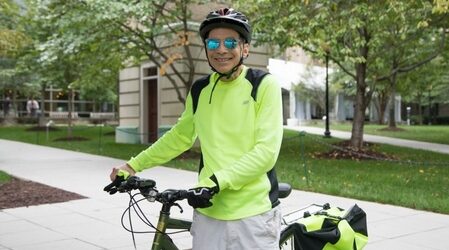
column 161, row 239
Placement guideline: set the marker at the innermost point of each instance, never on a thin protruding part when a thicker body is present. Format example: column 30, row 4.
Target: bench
column 102, row 115
column 62, row 115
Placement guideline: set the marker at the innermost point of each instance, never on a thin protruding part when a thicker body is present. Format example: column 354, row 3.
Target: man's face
column 222, row 58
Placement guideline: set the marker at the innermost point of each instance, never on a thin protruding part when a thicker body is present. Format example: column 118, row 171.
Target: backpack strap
column 197, row 87
column 255, row 77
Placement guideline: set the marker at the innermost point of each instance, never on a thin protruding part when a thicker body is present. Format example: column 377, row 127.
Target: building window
column 151, row 71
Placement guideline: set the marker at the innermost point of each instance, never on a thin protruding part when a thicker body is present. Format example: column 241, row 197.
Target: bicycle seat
column 284, row 190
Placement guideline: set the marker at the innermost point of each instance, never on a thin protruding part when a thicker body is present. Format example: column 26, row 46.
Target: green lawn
column 416, row 178
column 425, row 133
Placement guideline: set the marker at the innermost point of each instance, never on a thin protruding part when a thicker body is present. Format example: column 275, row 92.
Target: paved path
column 440, row 148
column 94, row 223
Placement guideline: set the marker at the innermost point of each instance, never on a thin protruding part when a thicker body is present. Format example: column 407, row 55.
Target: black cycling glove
column 200, row 196
column 112, row 187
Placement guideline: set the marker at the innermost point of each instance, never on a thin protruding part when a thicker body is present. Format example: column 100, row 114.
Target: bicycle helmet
column 226, row 18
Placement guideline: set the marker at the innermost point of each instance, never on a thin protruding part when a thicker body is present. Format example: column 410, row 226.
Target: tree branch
column 415, row 65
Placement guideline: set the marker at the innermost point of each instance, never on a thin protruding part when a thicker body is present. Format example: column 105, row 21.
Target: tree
column 13, row 40
column 352, row 33
column 410, row 42
column 429, row 82
column 155, row 30
column 12, row 37
column 68, row 62
column 312, row 89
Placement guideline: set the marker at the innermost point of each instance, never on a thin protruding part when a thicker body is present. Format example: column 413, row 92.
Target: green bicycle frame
column 161, row 240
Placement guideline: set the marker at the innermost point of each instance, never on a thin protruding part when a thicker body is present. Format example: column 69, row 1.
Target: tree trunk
column 41, row 115
column 391, row 118
column 382, row 106
column 358, row 122
column 69, row 108
column 420, row 118
column 359, row 108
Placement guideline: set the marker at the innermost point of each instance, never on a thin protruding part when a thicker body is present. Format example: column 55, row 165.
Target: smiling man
column 236, row 114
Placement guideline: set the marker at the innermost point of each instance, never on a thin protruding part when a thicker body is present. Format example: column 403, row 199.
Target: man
column 236, row 113
column 29, row 106
column 6, row 106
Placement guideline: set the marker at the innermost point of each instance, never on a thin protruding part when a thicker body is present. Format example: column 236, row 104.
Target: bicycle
column 169, row 198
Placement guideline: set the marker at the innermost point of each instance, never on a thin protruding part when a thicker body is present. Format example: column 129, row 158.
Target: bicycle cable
column 134, row 204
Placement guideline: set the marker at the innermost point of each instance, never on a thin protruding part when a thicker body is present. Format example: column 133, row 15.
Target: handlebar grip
column 134, row 183
column 112, row 188
column 183, row 194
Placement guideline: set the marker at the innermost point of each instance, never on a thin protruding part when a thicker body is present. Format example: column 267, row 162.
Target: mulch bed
column 344, row 150
column 42, row 128
column 72, row 138
column 24, row 193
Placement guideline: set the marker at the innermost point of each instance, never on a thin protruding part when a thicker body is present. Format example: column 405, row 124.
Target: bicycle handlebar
column 147, row 188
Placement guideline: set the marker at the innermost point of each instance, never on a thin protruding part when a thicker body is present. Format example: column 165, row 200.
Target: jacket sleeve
column 268, row 138
column 177, row 140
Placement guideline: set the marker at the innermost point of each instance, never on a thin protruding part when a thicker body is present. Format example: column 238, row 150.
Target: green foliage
column 441, row 6
column 12, row 37
column 84, row 44
column 66, row 52
column 426, row 85
column 369, row 41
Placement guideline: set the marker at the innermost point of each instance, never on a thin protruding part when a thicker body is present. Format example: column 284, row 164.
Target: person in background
column 6, row 106
column 29, row 107
column 236, row 114
column 33, row 107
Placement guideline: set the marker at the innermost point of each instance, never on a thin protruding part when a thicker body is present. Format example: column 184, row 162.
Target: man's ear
column 245, row 51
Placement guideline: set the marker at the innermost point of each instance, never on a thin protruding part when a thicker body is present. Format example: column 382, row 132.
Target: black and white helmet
column 226, row 18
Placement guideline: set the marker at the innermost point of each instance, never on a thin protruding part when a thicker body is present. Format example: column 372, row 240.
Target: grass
column 420, row 179
column 417, row 179
column 425, row 133
column 4, row 177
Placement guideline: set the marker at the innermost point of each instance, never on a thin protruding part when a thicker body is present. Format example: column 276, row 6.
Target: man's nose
column 221, row 48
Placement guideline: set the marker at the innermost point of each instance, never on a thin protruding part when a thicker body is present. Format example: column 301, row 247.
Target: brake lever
column 179, row 206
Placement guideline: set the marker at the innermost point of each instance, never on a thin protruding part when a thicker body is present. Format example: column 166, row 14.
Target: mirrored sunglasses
column 229, row 43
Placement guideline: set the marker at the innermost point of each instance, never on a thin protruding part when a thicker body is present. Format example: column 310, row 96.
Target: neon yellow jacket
column 240, row 139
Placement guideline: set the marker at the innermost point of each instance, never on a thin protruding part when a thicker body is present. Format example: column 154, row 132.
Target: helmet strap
column 228, row 74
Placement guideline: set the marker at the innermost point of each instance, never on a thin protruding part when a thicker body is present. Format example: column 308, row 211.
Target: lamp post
column 327, row 133
column 408, row 115
column 430, row 107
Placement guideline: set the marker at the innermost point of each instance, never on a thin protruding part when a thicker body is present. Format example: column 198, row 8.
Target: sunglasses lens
column 212, row 44
column 230, row 43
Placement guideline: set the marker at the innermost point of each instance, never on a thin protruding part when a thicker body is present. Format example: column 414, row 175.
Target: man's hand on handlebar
column 124, row 170
column 117, row 176
column 112, row 187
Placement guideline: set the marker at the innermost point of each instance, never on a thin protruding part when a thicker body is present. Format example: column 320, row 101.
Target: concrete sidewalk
column 435, row 147
column 94, row 223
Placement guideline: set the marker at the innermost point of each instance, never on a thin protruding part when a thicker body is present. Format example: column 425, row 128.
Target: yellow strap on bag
column 333, row 229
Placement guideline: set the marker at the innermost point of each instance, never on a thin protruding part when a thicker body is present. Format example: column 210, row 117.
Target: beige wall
column 129, row 96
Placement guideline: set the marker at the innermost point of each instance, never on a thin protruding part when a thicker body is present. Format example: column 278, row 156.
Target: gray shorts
column 260, row 232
